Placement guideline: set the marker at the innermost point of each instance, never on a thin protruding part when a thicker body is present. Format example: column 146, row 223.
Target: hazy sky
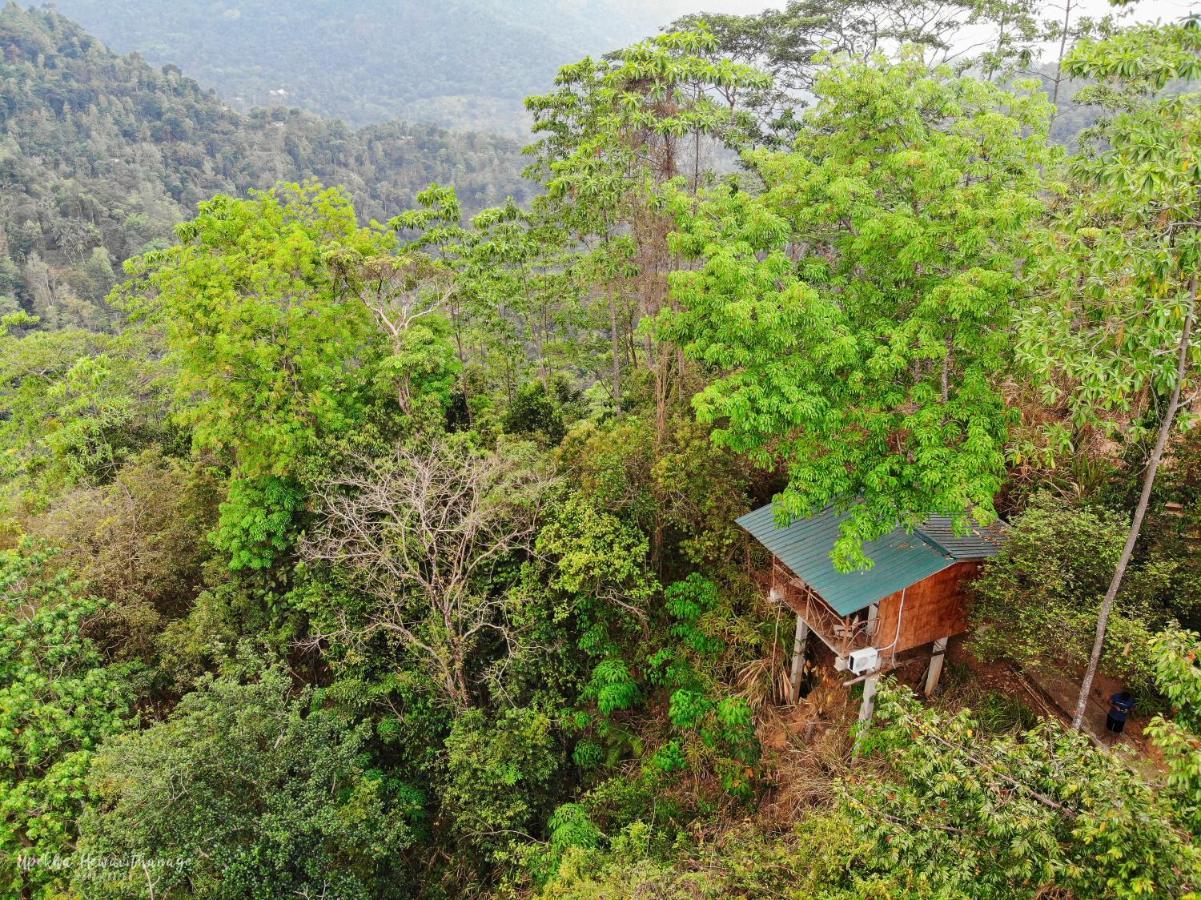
column 1144, row 11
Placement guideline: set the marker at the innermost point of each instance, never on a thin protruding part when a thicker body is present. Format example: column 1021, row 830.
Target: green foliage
column 449, row 598
column 601, row 562
column 75, row 405
column 868, row 362
column 626, row 114
column 612, row 135
column 499, row 774
column 998, row 712
column 677, row 486
column 612, row 687
column 533, row 411
column 255, row 526
column 794, row 44
column 570, row 826
column 962, row 813
column 136, row 541
column 59, row 698
column 273, row 346
column 1178, row 676
column 1036, row 602
column 688, row 601
column 1119, row 262
column 688, row 708
column 255, row 795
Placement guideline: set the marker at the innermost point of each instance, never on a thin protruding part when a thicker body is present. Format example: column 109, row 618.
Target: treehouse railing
column 841, row 634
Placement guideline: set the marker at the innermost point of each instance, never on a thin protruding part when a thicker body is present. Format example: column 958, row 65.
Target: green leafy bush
column 256, row 523
column 59, row 699
column 255, row 795
column 500, row 773
column 1036, row 602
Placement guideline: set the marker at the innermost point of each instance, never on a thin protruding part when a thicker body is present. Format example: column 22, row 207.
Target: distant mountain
column 101, row 155
column 458, row 63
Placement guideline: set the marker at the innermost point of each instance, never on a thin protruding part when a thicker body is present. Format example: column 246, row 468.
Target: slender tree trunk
column 458, row 326
column 1140, row 511
column 1063, row 46
column 615, row 351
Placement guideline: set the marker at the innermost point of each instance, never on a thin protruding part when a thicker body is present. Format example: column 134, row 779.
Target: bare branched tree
column 420, row 534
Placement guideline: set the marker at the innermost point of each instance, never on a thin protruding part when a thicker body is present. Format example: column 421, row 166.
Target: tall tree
column 613, row 133
column 269, row 337
column 796, row 44
column 1115, row 334
column 856, row 312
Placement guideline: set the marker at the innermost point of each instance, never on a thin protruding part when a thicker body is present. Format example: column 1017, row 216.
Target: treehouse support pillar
column 798, row 659
column 940, row 649
column 868, row 706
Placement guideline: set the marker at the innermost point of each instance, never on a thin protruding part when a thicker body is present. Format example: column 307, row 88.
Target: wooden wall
column 935, row 607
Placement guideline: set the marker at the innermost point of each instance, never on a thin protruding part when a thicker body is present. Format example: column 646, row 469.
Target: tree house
column 914, row 594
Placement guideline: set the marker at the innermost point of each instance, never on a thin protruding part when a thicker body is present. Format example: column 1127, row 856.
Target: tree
column 1115, row 333
column 138, row 541
column 856, row 312
column 796, row 44
column 962, row 812
column 408, row 294
column 260, row 305
column 1035, row 602
column 612, row 134
column 245, row 791
column 75, row 405
column 500, row 774
column 421, row 534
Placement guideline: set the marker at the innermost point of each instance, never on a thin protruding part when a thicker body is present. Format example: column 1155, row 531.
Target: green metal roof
column 900, row 559
column 981, row 542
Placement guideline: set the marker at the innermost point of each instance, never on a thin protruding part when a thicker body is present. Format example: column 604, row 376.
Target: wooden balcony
column 841, row 634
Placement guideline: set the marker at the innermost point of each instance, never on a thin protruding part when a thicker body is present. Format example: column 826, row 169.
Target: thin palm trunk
column 1140, row 511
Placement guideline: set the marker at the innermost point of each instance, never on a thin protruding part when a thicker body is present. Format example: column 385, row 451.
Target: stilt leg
column 940, row 649
column 868, row 706
column 798, row 659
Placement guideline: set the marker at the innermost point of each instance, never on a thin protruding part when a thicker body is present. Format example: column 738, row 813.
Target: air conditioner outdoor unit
column 865, row 660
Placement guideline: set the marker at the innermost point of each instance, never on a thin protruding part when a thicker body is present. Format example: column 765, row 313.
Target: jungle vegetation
column 366, row 540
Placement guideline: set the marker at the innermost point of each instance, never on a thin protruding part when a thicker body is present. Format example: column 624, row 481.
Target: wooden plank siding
column 935, row 607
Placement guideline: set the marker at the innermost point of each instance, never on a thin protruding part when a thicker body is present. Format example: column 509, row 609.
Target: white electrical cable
column 900, row 614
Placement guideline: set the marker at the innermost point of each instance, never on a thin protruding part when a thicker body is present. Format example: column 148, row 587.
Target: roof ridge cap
column 921, row 532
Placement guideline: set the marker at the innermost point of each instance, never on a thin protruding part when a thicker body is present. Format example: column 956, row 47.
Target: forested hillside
column 465, row 64
column 364, row 552
column 101, row 155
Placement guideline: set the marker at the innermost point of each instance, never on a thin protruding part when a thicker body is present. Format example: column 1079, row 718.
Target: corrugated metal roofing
column 900, row 559
column 980, row 543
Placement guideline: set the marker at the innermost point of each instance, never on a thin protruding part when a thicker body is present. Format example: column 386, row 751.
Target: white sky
column 1145, row 10
column 1142, row 11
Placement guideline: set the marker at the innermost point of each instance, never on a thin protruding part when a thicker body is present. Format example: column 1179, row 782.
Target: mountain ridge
column 101, row 155
column 451, row 63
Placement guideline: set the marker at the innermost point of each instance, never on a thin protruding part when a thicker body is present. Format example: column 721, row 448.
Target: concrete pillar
column 873, row 619
column 940, row 649
column 798, row 659
column 868, row 706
